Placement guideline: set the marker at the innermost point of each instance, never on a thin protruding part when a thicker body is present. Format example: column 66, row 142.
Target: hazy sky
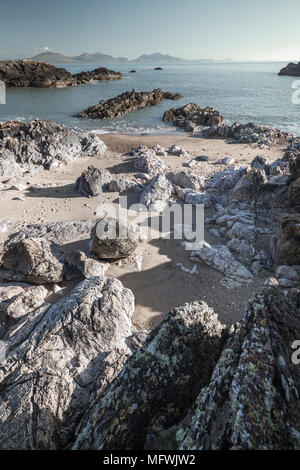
column 192, row 29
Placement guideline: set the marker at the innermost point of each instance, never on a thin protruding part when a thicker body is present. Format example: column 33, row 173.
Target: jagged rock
column 148, row 161
column 54, row 358
column 59, row 232
column 190, row 196
column 87, row 266
column 33, row 260
column 93, row 181
column 24, row 302
column 158, row 382
column 187, row 179
column 286, row 246
column 30, row 73
column 287, row 272
column 156, row 195
column 292, row 70
column 159, row 150
column 178, row 151
column 112, row 238
column 126, row 103
column 220, row 258
column 243, row 248
column 45, row 143
column 252, row 401
column 259, row 163
column 192, row 115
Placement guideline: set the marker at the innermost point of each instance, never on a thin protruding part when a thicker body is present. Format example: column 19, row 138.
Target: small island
column 291, row 70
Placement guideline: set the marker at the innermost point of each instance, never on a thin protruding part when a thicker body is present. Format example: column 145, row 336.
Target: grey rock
column 87, row 266
column 156, row 195
column 187, row 179
column 93, row 181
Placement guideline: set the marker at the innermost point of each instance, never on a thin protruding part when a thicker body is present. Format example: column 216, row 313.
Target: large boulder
column 33, row 260
column 113, row 238
column 252, row 401
column 192, row 115
column 54, row 358
column 45, row 143
column 93, row 182
column 126, row 103
column 189, row 180
column 158, row 383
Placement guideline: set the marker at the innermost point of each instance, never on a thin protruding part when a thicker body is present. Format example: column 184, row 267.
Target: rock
column 260, row 163
column 294, row 193
column 33, row 260
column 220, row 258
column 226, row 161
column 30, row 73
column 243, row 248
column 286, row 283
column 132, row 71
column 157, row 382
column 193, row 197
column 252, row 401
column 287, row 272
column 156, row 195
column 158, row 68
column 192, row 115
column 187, row 179
column 5, row 226
column 285, row 246
column 44, row 143
column 126, row 103
column 149, row 162
column 113, row 239
column 159, row 150
column 58, row 356
column 87, row 266
column 123, row 184
column 178, row 151
column 59, row 232
column 24, row 302
column 292, row 70
column 93, row 181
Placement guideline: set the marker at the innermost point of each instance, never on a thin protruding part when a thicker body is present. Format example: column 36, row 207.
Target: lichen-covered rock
column 156, row 195
column 86, row 266
column 252, row 401
column 112, row 238
column 159, row 381
column 33, row 260
column 126, row 103
column 53, row 358
column 93, row 181
column 45, row 143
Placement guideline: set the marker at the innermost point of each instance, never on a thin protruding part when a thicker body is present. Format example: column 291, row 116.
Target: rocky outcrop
column 30, row 73
column 126, row 103
column 112, row 238
column 249, row 133
column 158, row 382
column 192, row 115
column 93, row 182
column 156, row 195
column 252, row 401
column 148, row 161
column 45, row 143
column 33, row 260
column 292, row 70
column 55, row 356
column 286, row 245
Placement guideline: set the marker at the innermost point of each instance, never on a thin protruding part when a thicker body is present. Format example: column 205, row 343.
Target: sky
column 190, row 29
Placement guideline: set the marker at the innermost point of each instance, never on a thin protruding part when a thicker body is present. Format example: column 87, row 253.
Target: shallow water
column 242, row 92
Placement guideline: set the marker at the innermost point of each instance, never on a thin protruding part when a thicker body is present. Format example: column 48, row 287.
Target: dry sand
column 161, row 285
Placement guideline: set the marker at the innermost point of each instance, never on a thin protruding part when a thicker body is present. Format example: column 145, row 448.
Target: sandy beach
column 161, row 284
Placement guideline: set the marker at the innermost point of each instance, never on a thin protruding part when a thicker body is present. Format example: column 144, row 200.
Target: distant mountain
column 104, row 59
column 54, row 58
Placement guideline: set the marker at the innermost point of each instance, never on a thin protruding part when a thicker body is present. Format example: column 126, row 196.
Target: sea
column 242, row 92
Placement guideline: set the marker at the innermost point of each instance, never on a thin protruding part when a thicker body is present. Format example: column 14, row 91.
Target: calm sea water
column 242, row 92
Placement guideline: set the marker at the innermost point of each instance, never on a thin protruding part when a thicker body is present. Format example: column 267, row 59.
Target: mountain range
column 105, row 59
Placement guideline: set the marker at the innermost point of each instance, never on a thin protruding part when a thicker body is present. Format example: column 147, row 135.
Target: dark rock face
column 192, row 115
column 158, row 382
column 45, row 143
column 126, row 103
column 33, row 260
column 93, row 182
column 292, row 70
column 286, row 246
column 30, row 73
column 55, row 355
column 252, row 401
